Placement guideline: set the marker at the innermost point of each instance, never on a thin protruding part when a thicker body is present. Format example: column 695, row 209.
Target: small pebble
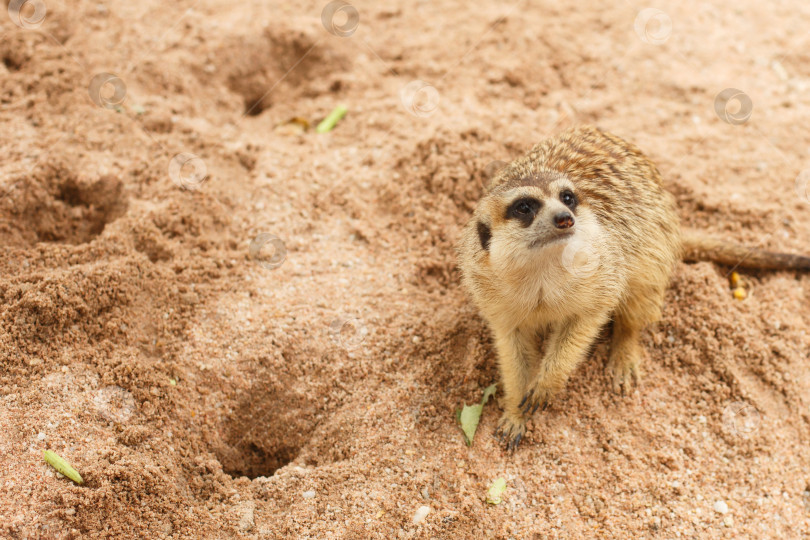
column 308, row 494
column 247, row 519
column 41, row 436
column 720, row 507
column 189, row 298
column 421, row 514
column 728, row 521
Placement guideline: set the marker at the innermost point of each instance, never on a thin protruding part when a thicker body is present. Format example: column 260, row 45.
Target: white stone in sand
column 421, row 514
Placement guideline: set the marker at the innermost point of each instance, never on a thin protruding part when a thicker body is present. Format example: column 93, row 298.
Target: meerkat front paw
column 624, row 373
column 538, row 396
column 510, row 430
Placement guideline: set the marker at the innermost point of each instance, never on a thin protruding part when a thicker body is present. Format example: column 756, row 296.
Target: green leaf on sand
column 471, row 414
column 56, row 461
column 489, row 391
column 328, row 123
column 495, row 491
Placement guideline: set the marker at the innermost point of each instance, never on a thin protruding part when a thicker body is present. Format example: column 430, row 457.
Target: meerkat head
column 530, row 221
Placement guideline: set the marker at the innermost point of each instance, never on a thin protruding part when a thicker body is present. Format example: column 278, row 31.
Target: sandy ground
column 236, row 328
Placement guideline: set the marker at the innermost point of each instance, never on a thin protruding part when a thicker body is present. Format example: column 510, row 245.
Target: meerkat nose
column 564, row 220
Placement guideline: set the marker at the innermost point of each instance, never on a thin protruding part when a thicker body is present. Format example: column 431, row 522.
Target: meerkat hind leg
column 625, row 355
column 624, row 361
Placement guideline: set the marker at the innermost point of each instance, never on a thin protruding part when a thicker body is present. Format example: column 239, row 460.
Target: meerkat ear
column 484, row 235
column 490, row 171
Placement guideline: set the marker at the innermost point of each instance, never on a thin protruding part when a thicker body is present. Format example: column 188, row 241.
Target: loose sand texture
column 235, row 327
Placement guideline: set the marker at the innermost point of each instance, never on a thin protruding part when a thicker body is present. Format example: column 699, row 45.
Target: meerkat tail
column 699, row 247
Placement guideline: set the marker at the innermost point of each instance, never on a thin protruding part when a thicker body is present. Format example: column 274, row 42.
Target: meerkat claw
column 512, row 446
column 533, row 401
column 624, row 377
column 510, row 430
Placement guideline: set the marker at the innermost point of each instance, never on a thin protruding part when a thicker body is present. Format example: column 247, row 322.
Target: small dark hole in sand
column 254, row 107
column 251, row 460
column 10, row 63
column 266, row 430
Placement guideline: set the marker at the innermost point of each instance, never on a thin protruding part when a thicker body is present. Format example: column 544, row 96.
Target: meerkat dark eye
column 568, row 198
column 484, row 235
column 524, row 210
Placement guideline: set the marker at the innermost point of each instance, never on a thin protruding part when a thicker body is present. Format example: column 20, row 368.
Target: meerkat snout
column 556, row 222
column 563, row 220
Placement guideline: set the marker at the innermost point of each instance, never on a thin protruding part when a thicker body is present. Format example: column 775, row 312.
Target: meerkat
column 577, row 233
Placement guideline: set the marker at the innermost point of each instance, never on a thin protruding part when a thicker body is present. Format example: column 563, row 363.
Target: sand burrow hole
column 267, row 427
column 54, row 205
